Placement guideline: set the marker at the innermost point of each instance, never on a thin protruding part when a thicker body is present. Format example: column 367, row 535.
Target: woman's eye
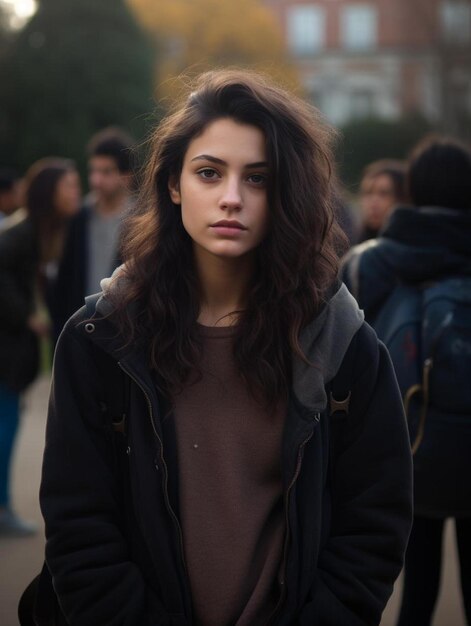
column 207, row 173
column 258, row 179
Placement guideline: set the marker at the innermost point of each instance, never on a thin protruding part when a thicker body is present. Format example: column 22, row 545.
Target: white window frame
column 359, row 26
column 455, row 18
column 306, row 28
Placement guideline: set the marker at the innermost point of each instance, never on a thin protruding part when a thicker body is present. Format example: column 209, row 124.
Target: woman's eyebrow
column 212, row 159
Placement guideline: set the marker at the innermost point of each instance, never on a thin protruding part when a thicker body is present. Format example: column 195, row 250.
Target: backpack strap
column 339, row 392
column 340, row 388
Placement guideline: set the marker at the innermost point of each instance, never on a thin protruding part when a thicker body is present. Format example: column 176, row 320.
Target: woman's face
column 222, row 190
column 67, row 195
column 377, row 200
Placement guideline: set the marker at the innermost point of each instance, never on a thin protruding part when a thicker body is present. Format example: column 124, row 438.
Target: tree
column 5, row 32
column 77, row 66
column 369, row 139
column 202, row 34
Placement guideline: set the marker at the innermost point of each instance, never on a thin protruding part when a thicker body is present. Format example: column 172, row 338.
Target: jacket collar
column 324, row 342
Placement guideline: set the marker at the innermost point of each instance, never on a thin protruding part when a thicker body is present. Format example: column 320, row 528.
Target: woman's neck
column 224, row 285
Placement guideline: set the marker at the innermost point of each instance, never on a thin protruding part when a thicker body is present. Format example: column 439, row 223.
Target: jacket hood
column 423, row 243
column 111, row 286
column 418, row 245
column 324, row 341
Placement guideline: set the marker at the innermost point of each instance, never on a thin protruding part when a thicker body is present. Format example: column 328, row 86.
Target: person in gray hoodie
column 226, row 442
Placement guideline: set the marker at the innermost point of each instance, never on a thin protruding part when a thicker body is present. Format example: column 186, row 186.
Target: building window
column 306, row 28
column 456, row 21
column 361, row 104
column 359, row 26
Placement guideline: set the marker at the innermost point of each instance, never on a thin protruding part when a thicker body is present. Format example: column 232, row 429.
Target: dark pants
column 423, row 566
column 9, row 419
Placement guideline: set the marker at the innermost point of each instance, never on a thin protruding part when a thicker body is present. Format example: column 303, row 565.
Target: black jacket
column 418, row 245
column 19, row 349
column 118, row 561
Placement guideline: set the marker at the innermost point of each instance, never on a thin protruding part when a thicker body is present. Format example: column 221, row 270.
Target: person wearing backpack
column 414, row 285
column 226, row 442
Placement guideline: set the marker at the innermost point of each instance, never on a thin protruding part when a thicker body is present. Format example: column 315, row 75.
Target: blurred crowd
column 55, row 247
column 413, row 281
column 409, row 224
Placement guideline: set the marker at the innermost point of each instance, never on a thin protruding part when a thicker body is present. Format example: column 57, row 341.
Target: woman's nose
column 231, row 198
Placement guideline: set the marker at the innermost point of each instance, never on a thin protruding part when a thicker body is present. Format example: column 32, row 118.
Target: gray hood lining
column 324, row 342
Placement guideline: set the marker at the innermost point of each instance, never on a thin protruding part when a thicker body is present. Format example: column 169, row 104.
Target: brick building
column 383, row 58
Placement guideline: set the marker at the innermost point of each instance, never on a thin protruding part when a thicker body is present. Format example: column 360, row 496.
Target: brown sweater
column 229, row 455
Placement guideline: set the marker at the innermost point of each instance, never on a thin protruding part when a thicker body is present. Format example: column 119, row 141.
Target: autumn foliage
column 195, row 35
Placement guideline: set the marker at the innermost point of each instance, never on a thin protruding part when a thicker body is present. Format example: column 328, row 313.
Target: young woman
column 382, row 188
column 29, row 244
column 236, row 490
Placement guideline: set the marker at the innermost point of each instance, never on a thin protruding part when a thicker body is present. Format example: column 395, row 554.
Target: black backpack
column 427, row 330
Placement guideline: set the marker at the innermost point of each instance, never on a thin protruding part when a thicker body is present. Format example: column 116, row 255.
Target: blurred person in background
column 28, row 247
column 382, row 188
column 92, row 247
column 414, row 284
column 10, row 193
column 346, row 218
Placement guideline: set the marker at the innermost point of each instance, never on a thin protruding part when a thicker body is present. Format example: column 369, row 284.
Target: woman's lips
column 229, row 224
column 228, row 227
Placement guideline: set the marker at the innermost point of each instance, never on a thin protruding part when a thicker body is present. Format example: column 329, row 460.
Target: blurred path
column 21, row 559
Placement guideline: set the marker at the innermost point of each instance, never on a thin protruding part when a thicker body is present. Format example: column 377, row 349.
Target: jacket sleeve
column 371, row 505
column 86, row 550
column 16, row 304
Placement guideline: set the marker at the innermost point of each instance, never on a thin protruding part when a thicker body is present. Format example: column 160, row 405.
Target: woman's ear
column 174, row 190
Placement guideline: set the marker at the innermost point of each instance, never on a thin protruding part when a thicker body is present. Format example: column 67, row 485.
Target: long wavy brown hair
column 296, row 263
column 42, row 180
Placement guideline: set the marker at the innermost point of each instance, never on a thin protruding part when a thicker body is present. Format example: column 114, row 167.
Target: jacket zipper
column 164, row 465
column 287, row 533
